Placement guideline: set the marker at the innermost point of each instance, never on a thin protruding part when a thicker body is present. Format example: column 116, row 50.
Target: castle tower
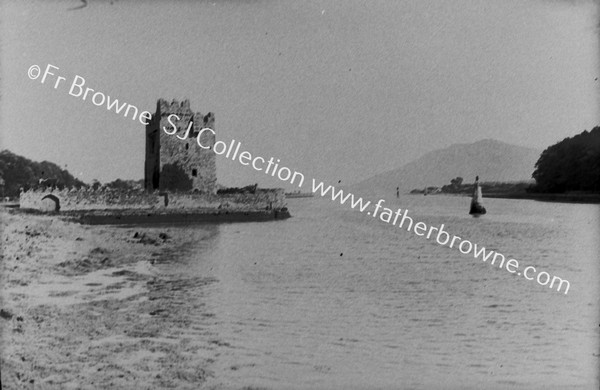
column 176, row 164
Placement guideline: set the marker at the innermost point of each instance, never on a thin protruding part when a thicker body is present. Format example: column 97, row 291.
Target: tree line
column 572, row 164
column 18, row 172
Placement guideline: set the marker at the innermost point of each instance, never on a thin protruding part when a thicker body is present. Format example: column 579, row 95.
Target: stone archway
column 50, row 203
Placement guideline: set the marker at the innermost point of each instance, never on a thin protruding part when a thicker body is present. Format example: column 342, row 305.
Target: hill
column 17, row 171
column 490, row 159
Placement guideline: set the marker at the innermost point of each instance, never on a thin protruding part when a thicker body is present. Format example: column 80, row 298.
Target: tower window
column 194, row 172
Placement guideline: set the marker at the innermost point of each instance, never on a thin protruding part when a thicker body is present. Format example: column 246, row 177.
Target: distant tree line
column 125, row 185
column 570, row 165
column 457, row 186
column 18, row 172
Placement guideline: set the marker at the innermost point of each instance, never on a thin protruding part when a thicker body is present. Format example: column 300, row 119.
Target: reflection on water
column 333, row 298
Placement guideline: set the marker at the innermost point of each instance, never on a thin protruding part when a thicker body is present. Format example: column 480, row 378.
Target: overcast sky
column 338, row 90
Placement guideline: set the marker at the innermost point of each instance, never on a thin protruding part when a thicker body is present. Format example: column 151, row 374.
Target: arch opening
column 53, row 199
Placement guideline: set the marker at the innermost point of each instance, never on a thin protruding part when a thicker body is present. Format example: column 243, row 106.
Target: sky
column 337, row 90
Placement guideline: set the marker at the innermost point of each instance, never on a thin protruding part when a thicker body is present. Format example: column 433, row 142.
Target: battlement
column 175, row 107
column 207, row 120
column 182, row 110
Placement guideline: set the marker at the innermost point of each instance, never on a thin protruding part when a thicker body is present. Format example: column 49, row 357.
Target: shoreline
column 152, row 216
column 95, row 306
column 199, row 216
column 557, row 198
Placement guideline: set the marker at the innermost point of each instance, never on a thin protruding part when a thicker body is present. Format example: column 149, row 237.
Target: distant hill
column 490, row 159
column 17, row 171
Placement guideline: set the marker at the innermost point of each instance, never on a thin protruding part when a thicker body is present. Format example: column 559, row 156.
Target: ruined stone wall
column 274, row 198
column 88, row 199
column 262, row 199
column 112, row 199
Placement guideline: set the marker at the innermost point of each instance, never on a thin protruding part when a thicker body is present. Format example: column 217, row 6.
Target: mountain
column 17, row 171
column 490, row 159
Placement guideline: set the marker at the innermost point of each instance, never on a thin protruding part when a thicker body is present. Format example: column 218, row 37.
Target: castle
column 180, row 180
column 175, row 163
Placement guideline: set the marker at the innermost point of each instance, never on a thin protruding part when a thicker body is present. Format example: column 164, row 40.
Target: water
column 335, row 299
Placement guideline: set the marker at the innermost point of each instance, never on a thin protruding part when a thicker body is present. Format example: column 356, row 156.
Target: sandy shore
column 86, row 307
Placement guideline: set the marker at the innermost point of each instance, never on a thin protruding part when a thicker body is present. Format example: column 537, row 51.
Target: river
column 335, row 299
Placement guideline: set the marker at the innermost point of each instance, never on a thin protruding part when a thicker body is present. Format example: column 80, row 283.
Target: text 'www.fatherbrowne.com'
column 442, row 237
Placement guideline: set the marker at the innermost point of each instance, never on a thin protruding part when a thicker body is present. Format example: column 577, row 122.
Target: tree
column 570, row 165
column 455, row 183
column 19, row 172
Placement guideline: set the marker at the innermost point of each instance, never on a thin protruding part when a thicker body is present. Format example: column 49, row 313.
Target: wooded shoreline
column 563, row 198
column 543, row 197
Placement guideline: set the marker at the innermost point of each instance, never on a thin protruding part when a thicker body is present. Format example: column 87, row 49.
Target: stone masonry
column 176, row 164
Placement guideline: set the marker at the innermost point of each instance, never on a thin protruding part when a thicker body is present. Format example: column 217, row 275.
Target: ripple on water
column 396, row 308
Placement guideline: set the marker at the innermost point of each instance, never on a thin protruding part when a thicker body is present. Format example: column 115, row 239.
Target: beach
column 83, row 307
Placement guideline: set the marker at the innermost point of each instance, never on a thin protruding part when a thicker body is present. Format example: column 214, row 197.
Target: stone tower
column 176, row 164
